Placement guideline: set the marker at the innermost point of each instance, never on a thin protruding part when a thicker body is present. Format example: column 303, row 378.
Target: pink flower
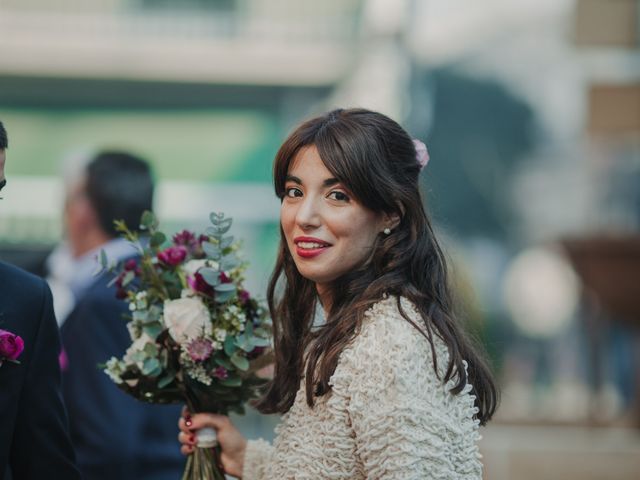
column 200, row 349
column 11, row 345
column 221, row 373
column 422, row 154
column 63, row 360
column 173, row 255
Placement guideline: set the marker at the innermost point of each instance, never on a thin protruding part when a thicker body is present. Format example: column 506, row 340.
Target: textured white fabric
column 388, row 416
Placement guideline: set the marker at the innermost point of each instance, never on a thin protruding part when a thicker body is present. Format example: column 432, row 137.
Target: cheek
column 287, row 220
column 358, row 229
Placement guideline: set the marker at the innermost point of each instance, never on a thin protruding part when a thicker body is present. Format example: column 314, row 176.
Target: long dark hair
column 375, row 159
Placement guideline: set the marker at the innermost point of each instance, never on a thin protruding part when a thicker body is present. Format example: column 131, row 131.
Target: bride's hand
column 231, row 441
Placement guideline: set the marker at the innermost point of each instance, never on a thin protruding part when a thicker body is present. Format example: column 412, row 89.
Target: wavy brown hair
column 374, row 158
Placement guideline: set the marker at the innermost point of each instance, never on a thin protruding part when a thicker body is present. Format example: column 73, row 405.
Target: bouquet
column 197, row 335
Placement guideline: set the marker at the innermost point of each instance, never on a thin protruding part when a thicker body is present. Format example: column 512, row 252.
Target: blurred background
column 530, row 110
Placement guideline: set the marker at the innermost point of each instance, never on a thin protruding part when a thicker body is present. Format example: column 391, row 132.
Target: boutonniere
column 11, row 346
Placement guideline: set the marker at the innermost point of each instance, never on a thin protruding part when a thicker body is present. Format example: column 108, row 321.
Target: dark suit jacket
column 34, row 440
column 115, row 435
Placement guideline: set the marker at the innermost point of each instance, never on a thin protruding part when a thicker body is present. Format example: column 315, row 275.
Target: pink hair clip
column 422, row 154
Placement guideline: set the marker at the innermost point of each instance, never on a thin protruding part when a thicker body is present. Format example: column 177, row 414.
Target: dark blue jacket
column 115, row 435
column 34, row 440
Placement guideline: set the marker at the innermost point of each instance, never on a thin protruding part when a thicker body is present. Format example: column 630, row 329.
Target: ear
column 390, row 220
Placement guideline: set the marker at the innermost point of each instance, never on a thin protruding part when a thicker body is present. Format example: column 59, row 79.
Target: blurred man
column 34, row 440
column 115, row 436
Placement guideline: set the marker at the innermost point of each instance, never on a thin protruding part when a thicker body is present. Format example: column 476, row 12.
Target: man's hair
column 4, row 141
column 119, row 187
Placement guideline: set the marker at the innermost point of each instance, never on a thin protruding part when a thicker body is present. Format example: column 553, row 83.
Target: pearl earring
column 387, row 231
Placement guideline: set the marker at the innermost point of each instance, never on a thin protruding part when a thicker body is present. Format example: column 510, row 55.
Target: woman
column 388, row 386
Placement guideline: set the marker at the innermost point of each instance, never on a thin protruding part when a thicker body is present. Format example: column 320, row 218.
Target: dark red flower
column 173, row 255
column 221, row 373
column 255, row 353
column 130, row 265
column 185, row 238
column 224, row 278
column 199, row 284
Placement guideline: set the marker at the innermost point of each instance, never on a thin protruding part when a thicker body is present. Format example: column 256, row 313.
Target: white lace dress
column 387, row 417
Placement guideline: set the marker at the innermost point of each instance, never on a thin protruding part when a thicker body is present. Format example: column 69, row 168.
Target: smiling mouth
column 308, row 247
column 311, row 245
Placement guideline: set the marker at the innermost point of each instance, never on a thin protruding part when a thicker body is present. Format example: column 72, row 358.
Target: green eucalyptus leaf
column 240, row 362
column 150, row 366
column 260, row 342
column 212, row 232
column 148, row 221
column 224, row 292
column 223, row 228
column 245, row 345
column 223, row 362
column 128, row 278
column 153, row 329
column 229, row 262
column 229, row 346
column 231, row 382
column 151, row 349
column 104, row 261
column 166, row 379
column 215, row 217
column 157, row 239
column 226, row 242
column 140, row 315
column 225, row 224
column 212, row 251
column 210, row 275
column 261, row 332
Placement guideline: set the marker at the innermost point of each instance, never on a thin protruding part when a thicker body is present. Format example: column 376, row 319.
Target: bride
column 389, row 386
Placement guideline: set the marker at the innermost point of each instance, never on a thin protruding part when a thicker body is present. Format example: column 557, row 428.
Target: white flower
column 132, row 307
column 134, row 330
column 131, row 357
column 114, row 370
column 192, row 266
column 187, row 319
column 220, row 334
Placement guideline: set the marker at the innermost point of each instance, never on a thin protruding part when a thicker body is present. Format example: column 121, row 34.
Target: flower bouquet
column 197, row 336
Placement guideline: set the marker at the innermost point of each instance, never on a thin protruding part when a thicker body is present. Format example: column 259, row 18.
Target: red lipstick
column 309, row 247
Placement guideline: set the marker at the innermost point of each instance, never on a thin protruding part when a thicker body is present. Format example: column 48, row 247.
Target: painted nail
column 192, row 438
column 188, row 422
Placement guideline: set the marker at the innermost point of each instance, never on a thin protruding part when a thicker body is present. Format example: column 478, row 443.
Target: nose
column 308, row 215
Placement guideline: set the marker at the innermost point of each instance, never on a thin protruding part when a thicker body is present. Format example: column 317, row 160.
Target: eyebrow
column 327, row 183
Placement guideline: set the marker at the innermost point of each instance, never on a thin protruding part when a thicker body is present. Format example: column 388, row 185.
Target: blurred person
column 112, row 186
column 34, row 436
column 389, row 386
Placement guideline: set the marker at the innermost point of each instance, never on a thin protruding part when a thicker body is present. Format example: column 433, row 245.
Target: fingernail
column 192, row 438
column 188, row 422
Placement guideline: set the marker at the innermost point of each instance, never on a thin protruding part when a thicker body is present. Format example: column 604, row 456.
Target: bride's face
column 328, row 231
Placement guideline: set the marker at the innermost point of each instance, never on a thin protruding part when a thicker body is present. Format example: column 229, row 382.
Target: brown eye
column 293, row 192
column 339, row 196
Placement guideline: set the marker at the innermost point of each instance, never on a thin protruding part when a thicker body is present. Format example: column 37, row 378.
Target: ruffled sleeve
column 256, row 459
column 407, row 424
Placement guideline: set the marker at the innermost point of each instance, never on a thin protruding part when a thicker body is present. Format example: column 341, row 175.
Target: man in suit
column 115, row 436
column 34, row 438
